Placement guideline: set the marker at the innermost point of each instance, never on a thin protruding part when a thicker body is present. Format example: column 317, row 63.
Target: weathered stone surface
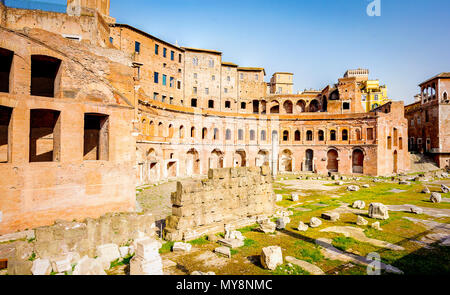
column 223, row 251
column 376, row 225
column 62, row 265
column 108, row 253
column 416, row 210
column 279, row 198
column 267, row 227
column 366, row 186
column 147, row 249
column 339, row 183
column 315, row 222
column 233, row 244
column 361, row 221
column 41, row 267
column 426, row 190
column 353, row 188
column 89, row 266
column 181, row 247
column 331, row 216
column 295, row 197
column 359, row 205
column 141, row 266
column 436, row 198
column 445, row 189
column 378, row 211
column 302, row 226
column 281, row 223
column 124, row 251
column 310, row 268
column 213, row 238
column 271, row 257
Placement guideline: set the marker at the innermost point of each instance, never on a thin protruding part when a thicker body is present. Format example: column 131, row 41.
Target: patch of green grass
column 166, row 248
column 248, row 229
column 32, row 257
column 199, row 241
column 120, row 262
column 249, row 243
column 290, row 270
column 308, row 252
column 234, row 252
column 344, row 243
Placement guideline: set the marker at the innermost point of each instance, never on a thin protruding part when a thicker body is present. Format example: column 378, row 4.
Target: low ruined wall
column 83, row 238
column 232, row 196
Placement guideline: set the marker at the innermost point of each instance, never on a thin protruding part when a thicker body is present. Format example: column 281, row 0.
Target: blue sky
column 318, row 40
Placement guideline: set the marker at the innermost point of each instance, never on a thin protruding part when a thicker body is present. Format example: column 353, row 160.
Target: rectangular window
column 213, row 78
column 243, row 105
column 156, row 78
column 155, row 96
column 179, row 84
column 164, row 81
column 172, row 81
column 211, row 104
column 206, row 90
column 228, row 78
column 256, row 77
column 6, row 58
column 211, row 63
column 171, row 100
column 194, row 103
column 172, row 55
column 242, row 76
column 163, row 98
column 156, row 49
column 179, row 58
column 195, row 75
column 225, row 90
column 45, row 136
column 96, row 137
column 376, row 97
column 5, row 119
column 240, row 134
column 44, row 75
column 228, row 104
column 165, row 52
column 370, row 134
column 137, row 47
column 346, row 106
column 194, row 90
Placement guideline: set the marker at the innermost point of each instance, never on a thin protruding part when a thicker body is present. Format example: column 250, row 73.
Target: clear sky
column 317, row 40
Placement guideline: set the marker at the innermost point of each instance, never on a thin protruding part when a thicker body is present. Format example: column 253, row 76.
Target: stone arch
column 160, row 129
column 286, row 135
column 204, row 133
column 275, row 107
column 181, row 132
column 309, row 161
column 297, row 135
column 288, row 107
column 301, row 106
column 192, row 162
column 314, row 106
column 332, row 160
column 445, row 96
column 152, row 128
column 286, row 161
column 262, row 158
column 170, row 131
column 240, row 159
column 216, row 159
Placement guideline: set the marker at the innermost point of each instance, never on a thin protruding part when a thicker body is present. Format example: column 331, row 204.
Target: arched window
column 333, row 135
column 345, row 134
column 252, row 135
column 216, row 134
column 358, row 134
column 152, row 128
column 181, row 131
column 240, row 134
column 228, row 134
column 297, row 135
column 192, row 132
column 389, row 142
column 285, row 135
column 309, row 135
column 445, row 96
column 44, row 75
column 263, row 135
column 321, row 135
column 204, row 133
column 160, row 129
column 170, row 131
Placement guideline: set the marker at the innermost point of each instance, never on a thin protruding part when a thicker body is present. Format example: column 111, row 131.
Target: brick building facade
column 90, row 109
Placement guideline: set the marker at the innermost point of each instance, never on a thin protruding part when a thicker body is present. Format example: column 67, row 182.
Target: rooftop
column 443, row 75
column 202, row 50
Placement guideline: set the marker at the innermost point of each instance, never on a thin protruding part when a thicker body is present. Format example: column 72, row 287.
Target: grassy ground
column 415, row 259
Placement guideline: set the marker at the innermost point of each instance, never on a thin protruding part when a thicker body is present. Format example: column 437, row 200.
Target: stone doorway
column 333, row 163
column 395, row 162
column 358, row 161
column 309, row 161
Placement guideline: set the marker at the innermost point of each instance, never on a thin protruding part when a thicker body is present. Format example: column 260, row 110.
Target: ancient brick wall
column 229, row 196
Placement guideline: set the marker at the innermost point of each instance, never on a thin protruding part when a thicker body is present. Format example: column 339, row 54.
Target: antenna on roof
column 176, row 43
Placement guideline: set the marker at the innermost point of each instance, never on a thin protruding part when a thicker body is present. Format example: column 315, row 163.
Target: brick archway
column 333, row 163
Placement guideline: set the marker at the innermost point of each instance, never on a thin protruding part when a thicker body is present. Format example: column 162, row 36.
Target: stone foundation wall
column 65, row 238
column 233, row 196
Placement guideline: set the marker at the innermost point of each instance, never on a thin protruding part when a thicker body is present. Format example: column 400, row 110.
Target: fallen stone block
column 376, row 225
column 147, row 249
column 359, row 205
column 426, row 190
column 445, row 189
column 268, row 227
column 223, row 251
column 279, row 198
column 315, row 222
column 366, row 186
column 141, row 266
column 416, row 210
column 353, row 188
column 271, row 257
column 62, row 265
column 361, row 221
column 108, row 253
column 181, row 247
column 41, row 267
column 331, row 216
column 436, row 198
column 295, row 197
column 89, row 266
column 233, row 244
column 378, row 211
column 302, row 227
